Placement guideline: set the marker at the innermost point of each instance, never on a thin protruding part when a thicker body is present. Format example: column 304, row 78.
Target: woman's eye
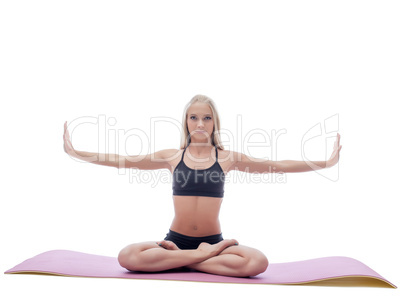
column 194, row 117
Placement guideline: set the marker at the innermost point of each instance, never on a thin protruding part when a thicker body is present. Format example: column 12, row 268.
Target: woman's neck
column 200, row 148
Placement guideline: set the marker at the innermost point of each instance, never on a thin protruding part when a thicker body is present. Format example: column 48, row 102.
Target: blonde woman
column 198, row 168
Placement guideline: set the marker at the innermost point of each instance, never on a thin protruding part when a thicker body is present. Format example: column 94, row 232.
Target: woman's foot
column 168, row 245
column 215, row 249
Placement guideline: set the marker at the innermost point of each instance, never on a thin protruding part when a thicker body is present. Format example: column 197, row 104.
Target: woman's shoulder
column 227, row 154
column 227, row 151
column 168, row 153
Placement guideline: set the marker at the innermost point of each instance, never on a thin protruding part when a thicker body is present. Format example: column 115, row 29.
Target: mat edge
column 29, row 272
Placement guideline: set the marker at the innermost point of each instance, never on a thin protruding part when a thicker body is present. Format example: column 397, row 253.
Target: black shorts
column 185, row 242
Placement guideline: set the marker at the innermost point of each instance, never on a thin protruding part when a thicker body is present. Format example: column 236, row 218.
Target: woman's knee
column 129, row 257
column 258, row 264
column 126, row 256
column 254, row 261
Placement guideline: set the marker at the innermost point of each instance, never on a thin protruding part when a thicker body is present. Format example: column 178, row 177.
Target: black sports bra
column 198, row 182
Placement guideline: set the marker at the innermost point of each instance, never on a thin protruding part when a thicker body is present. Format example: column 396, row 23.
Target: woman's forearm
column 301, row 166
column 111, row 160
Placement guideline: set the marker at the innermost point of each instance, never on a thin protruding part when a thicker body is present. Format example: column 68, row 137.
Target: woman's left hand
column 335, row 154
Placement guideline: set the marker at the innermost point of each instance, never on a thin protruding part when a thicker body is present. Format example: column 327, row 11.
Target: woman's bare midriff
column 196, row 216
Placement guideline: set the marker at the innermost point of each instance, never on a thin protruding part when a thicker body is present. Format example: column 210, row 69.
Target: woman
column 195, row 239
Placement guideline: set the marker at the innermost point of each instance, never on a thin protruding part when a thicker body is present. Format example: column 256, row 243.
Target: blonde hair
column 185, row 135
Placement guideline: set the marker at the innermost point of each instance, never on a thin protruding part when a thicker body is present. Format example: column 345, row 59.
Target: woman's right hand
column 68, row 146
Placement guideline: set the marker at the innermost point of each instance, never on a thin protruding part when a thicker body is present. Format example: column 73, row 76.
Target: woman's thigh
column 246, row 252
column 133, row 250
column 140, row 246
column 242, row 261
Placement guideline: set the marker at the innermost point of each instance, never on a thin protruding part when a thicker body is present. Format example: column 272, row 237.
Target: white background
column 276, row 65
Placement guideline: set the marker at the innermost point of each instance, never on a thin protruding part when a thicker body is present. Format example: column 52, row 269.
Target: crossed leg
column 240, row 261
column 223, row 258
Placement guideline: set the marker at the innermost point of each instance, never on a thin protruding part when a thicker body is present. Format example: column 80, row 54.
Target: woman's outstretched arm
column 95, row 158
column 157, row 160
column 253, row 165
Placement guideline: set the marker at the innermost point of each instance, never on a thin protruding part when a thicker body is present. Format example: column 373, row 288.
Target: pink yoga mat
column 332, row 271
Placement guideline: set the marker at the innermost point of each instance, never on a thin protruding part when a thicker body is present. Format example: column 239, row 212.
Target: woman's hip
column 185, row 242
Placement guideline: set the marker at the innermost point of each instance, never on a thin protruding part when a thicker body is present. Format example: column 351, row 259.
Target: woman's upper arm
column 250, row 164
column 153, row 161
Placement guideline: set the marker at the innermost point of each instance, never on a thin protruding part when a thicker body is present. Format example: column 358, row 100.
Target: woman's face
column 199, row 121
